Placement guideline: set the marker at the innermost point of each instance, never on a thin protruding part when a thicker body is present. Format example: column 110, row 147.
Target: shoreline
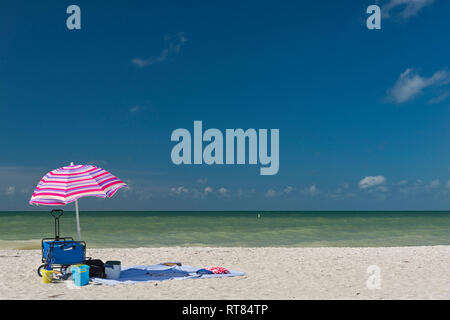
column 417, row 272
column 30, row 245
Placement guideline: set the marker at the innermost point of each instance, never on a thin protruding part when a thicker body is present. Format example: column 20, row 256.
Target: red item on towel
column 218, row 270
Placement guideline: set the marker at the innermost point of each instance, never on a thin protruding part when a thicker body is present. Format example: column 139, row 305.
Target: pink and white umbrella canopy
column 68, row 184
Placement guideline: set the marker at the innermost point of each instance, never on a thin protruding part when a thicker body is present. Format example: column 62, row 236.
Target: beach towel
column 160, row 272
column 218, row 270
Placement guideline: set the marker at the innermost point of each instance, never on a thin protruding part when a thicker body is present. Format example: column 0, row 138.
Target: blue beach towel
column 160, row 272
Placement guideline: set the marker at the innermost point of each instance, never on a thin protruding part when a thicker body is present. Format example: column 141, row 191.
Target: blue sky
column 363, row 114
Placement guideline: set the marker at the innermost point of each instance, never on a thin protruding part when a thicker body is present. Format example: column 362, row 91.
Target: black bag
column 96, row 268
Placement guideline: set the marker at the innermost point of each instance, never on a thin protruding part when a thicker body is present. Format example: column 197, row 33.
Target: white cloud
column 419, row 186
column 11, row 190
column 410, row 84
column 271, row 193
column 443, row 96
column 191, row 192
column 223, row 191
column 8, row 191
column 371, row 181
column 382, row 189
column 409, row 8
column 288, row 189
column 413, row 187
column 179, row 190
column 208, row 190
column 342, row 188
column 435, row 184
column 311, row 190
column 339, row 192
column 173, row 48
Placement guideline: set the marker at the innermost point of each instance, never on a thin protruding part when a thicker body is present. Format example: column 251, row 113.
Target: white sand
column 272, row 273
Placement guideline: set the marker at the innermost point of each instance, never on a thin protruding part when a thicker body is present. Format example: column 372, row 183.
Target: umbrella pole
column 78, row 220
column 77, row 215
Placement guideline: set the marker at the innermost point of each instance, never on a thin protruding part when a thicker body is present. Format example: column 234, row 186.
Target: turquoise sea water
column 23, row 230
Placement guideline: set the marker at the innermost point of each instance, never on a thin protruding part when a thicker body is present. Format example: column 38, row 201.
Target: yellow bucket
column 47, row 276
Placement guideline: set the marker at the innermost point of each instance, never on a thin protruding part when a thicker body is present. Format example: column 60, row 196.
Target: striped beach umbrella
column 68, row 184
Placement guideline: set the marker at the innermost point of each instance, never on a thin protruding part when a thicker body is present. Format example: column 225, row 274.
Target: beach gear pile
column 70, row 257
column 112, row 273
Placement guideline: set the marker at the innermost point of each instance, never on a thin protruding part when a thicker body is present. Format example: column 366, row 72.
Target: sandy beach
column 271, row 273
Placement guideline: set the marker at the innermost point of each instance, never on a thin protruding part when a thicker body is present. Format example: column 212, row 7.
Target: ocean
column 102, row 229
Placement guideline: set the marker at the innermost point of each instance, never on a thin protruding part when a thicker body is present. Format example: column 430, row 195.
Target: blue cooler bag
column 63, row 252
